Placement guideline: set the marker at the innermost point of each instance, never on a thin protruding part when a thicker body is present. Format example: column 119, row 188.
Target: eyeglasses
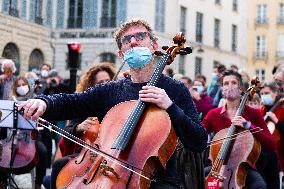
column 139, row 36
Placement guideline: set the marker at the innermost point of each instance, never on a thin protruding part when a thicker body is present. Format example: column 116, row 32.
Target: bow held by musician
column 137, row 44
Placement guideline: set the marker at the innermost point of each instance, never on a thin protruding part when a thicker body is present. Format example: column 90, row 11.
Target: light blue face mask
column 199, row 89
column 267, row 99
column 137, row 57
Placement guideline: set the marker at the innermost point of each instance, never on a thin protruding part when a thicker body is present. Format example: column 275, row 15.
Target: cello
column 19, row 153
column 79, row 165
column 232, row 157
column 271, row 126
column 126, row 134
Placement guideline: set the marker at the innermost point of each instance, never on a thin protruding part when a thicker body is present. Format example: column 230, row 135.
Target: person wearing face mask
column 21, row 90
column 214, row 89
column 279, row 79
column 269, row 97
column 7, row 78
column 44, row 75
column 265, row 175
column 202, row 101
column 137, row 44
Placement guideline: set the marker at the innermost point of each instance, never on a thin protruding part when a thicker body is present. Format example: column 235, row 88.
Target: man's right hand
column 33, row 108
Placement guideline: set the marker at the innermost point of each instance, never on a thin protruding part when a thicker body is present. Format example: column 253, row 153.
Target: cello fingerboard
column 126, row 132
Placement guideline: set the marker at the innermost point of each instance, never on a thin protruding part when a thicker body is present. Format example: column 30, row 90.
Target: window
column 11, row 51
column 261, row 17
column 90, row 14
column 108, row 57
column 235, row 5
column 198, row 65
column 199, row 26
column 260, row 73
column 234, row 38
column 280, row 46
column 181, row 62
column 48, row 20
column 108, row 18
column 36, row 59
column 11, row 7
column 260, row 46
column 60, row 14
column 217, row 33
column 218, row 2
column 183, row 20
column 281, row 14
column 24, row 9
column 160, row 16
column 75, row 14
column 35, row 11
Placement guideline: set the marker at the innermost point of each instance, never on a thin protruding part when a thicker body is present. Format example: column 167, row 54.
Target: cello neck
column 126, row 132
column 224, row 151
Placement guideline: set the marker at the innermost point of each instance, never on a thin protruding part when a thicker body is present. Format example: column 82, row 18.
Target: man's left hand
column 156, row 96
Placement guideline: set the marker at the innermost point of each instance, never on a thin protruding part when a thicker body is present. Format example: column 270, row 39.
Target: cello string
column 93, row 149
column 88, row 146
column 234, row 136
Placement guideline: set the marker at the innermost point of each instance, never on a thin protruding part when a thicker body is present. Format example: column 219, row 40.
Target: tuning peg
column 159, row 53
column 165, row 47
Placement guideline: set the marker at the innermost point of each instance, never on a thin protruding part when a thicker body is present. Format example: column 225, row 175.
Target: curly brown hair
column 126, row 25
column 88, row 79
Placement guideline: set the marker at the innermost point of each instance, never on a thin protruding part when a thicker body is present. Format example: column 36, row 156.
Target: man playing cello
column 137, row 44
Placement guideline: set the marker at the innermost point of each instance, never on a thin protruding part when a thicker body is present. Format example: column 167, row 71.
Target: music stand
column 11, row 118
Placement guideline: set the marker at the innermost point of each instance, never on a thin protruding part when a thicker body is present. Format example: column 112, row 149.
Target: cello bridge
column 105, row 169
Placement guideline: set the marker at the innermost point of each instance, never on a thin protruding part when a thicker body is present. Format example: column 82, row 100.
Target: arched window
column 107, row 57
column 11, row 51
column 36, row 59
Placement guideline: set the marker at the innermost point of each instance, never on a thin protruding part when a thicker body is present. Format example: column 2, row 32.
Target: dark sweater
column 99, row 100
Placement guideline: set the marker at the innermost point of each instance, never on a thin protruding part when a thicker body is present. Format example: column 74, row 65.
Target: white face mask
column 44, row 73
column 22, row 90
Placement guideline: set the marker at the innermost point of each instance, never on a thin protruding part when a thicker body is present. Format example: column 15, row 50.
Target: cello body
column 24, row 156
column 243, row 154
column 141, row 153
column 79, row 166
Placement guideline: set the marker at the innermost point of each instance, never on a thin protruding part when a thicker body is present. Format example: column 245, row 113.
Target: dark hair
column 188, row 80
column 231, row 72
column 46, row 64
column 200, row 76
column 272, row 86
column 221, row 68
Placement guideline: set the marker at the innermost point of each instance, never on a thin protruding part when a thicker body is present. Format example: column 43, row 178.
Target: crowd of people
column 198, row 110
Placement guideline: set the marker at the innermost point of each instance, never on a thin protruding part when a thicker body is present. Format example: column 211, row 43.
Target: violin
column 231, row 157
column 129, row 154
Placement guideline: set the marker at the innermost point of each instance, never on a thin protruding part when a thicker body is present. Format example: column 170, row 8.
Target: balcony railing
column 263, row 55
column 108, row 22
column 84, row 33
column 261, row 21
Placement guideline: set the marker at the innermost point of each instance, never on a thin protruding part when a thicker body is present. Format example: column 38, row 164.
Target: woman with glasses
column 137, row 44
